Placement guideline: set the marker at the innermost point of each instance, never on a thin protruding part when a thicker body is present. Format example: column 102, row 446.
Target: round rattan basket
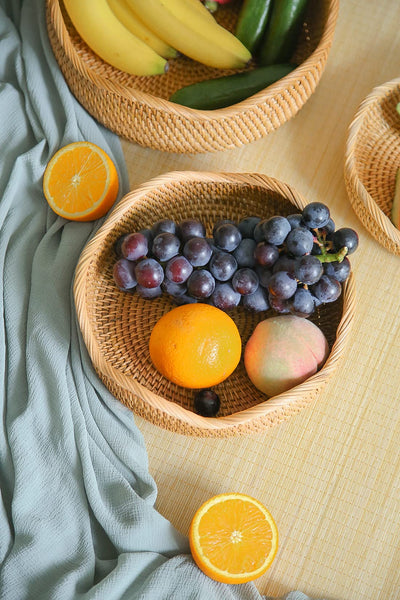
column 116, row 325
column 372, row 159
column 137, row 108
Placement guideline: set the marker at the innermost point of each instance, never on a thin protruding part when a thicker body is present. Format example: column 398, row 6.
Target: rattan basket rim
column 171, row 108
column 273, row 406
column 355, row 187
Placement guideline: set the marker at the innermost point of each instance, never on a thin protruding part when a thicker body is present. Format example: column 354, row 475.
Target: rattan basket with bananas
column 138, row 107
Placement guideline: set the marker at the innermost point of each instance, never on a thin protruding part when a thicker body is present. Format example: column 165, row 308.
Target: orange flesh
column 80, row 182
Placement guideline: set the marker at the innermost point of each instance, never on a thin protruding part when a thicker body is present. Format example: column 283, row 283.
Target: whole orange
column 195, row 345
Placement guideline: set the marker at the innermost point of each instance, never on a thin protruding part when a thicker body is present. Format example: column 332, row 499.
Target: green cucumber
column 279, row 41
column 252, row 21
column 229, row 89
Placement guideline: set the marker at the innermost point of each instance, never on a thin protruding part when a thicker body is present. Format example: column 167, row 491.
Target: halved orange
column 80, row 182
column 233, row 538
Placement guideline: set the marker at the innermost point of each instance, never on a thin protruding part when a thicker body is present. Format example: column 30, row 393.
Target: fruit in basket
column 284, row 351
column 123, row 12
column 395, row 211
column 233, row 538
column 279, row 40
column 291, row 264
column 207, row 403
column 195, row 345
column 190, row 30
column 80, row 182
column 111, row 40
column 211, row 94
column 252, row 21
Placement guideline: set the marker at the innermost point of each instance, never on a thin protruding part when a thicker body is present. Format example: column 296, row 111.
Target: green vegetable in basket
column 252, row 21
column 279, row 41
column 229, row 89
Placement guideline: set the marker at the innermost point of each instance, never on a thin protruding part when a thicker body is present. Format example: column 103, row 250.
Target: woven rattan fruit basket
column 372, row 159
column 116, row 325
column 138, row 109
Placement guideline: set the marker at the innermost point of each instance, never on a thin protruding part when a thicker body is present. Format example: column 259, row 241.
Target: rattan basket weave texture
column 137, row 108
column 116, row 325
column 372, row 159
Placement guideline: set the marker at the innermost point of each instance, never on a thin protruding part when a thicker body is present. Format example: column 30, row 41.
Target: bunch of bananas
column 139, row 36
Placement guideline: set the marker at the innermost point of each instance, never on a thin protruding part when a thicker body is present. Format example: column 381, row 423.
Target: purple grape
column 245, row 281
column 134, row 246
column 302, row 303
column 256, row 302
column 279, row 305
column 222, row 222
column 224, row 296
column 275, row 229
column 282, row 285
column 338, row 270
column 165, row 246
column 308, row 269
column 295, row 220
column 149, row 273
column 264, row 275
column 266, row 254
column 315, row 215
column 124, row 274
column 191, row 228
column 329, row 227
column 223, row 265
column 148, row 235
column 227, row 237
column 201, row 284
column 149, row 293
column 184, row 299
column 210, row 242
column 173, row 289
column 207, row 403
column 258, row 233
column 163, row 226
column 118, row 245
column 197, row 251
column 345, row 237
column 178, row 269
column 327, row 289
column 316, row 249
column 300, row 241
column 244, row 253
column 285, row 263
column 246, row 226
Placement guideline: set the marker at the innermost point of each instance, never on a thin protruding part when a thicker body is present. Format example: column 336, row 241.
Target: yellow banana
column 201, row 8
column 107, row 37
column 185, row 27
column 128, row 18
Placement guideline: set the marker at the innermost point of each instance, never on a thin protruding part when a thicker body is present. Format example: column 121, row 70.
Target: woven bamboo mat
column 331, row 474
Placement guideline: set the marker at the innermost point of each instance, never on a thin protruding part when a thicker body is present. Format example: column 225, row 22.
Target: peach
column 284, row 351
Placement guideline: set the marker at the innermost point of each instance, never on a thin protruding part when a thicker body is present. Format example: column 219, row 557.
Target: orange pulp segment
column 80, row 182
column 233, row 538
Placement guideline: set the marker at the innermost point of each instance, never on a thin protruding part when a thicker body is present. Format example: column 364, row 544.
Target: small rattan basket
column 372, row 159
column 137, row 108
column 116, row 325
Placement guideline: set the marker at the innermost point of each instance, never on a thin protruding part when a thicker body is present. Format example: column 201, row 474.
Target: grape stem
column 336, row 257
column 211, row 5
column 327, row 256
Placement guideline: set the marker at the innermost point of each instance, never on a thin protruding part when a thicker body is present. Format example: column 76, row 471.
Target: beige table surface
column 331, row 474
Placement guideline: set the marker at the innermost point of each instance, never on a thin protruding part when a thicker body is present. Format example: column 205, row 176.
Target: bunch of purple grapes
column 291, row 264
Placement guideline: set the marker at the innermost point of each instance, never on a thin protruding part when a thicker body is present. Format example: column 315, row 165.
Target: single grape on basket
column 284, row 263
